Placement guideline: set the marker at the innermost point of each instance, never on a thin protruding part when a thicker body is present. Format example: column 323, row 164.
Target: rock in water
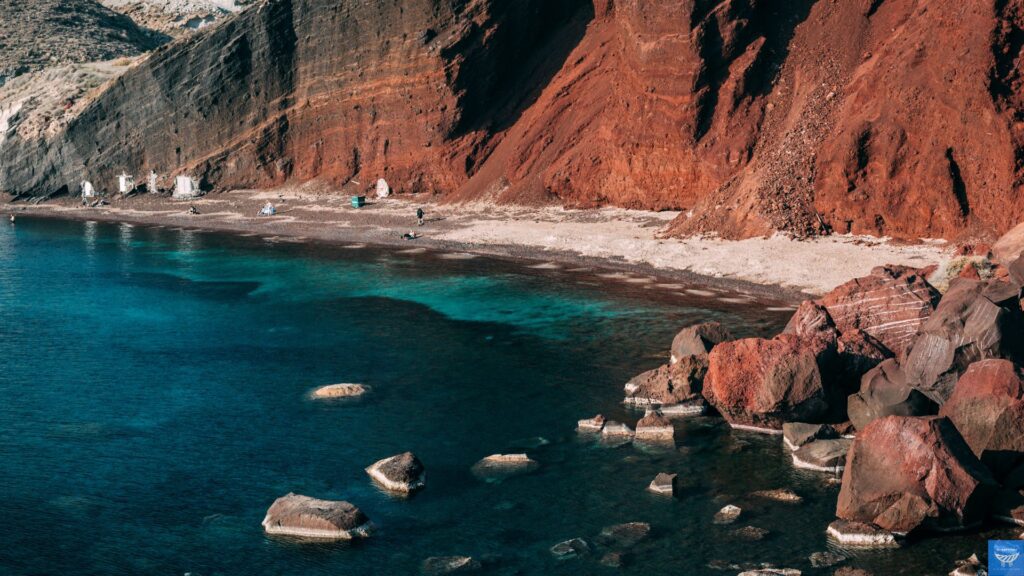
column 884, row 392
column 966, row 327
column 617, row 432
column 670, row 384
column 972, row 566
column 575, row 548
column 622, row 536
column 779, row 495
column 340, row 391
column 664, row 483
column 823, row 455
column 403, row 473
column 761, row 384
column 890, row 305
column 504, row 465
column 796, row 434
column 305, row 517
column 654, row 427
column 698, row 340
column 904, row 473
column 860, row 535
column 728, row 514
column 826, row 559
column 591, row 425
column 772, row 572
column 987, row 407
column 441, row 565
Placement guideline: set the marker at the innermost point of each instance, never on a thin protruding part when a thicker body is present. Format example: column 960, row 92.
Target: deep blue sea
column 154, row 403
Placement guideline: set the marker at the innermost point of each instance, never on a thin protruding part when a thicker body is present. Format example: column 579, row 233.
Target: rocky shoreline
column 911, row 397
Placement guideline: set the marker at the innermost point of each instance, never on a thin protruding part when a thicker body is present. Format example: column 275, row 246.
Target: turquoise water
column 155, row 389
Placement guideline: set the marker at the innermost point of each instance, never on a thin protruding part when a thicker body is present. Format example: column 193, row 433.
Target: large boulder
column 402, row 474
column 675, row 383
column 987, row 407
column 966, row 327
column 761, row 384
column 1010, row 246
column 904, row 473
column 890, row 305
column 698, row 340
column 884, row 392
column 857, row 350
column 305, row 517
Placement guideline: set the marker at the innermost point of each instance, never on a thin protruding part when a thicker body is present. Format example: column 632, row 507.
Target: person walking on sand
column 419, row 215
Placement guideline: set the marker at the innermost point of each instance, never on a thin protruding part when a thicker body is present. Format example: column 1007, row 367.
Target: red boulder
column 763, row 383
column 967, row 326
column 904, row 473
column 890, row 305
column 987, row 407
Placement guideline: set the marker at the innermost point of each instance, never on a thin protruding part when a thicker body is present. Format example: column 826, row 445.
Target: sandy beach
column 613, row 238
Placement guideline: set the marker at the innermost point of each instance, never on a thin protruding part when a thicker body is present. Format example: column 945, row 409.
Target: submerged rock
column 591, row 425
column 904, row 473
column 750, row 533
column 340, row 391
column 727, row 515
column 779, row 495
column 403, row 473
column 797, row 434
column 860, row 535
column 826, row 559
column 624, row 535
column 772, row 572
column 302, row 516
column 823, row 455
column 613, row 560
column 575, row 548
column 664, row 483
column 503, row 465
column 441, row 565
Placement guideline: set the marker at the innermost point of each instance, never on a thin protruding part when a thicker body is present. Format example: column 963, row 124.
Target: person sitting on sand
column 410, row 236
column 419, row 215
column 192, row 209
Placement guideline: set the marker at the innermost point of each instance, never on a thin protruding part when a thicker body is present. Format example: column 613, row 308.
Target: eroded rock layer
column 886, row 116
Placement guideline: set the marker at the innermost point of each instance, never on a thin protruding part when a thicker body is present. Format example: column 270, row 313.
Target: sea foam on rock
column 306, row 517
column 402, row 474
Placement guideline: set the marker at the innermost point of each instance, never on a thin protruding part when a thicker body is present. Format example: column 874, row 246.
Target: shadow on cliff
column 776, row 22
column 505, row 72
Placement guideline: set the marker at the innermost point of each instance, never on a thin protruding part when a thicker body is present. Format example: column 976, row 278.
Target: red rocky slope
column 897, row 117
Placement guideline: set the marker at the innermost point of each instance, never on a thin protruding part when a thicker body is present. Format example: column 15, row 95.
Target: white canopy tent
column 185, row 187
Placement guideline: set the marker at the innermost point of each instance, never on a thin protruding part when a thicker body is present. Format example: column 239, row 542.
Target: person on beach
column 419, row 215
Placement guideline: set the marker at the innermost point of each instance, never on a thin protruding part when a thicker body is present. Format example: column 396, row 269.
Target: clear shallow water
column 155, row 383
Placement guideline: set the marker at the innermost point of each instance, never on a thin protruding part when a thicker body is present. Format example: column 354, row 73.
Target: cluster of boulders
column 915, row 396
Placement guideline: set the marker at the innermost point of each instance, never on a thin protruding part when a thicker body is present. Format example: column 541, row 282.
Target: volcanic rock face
column 881, row 117
column 904, row 473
